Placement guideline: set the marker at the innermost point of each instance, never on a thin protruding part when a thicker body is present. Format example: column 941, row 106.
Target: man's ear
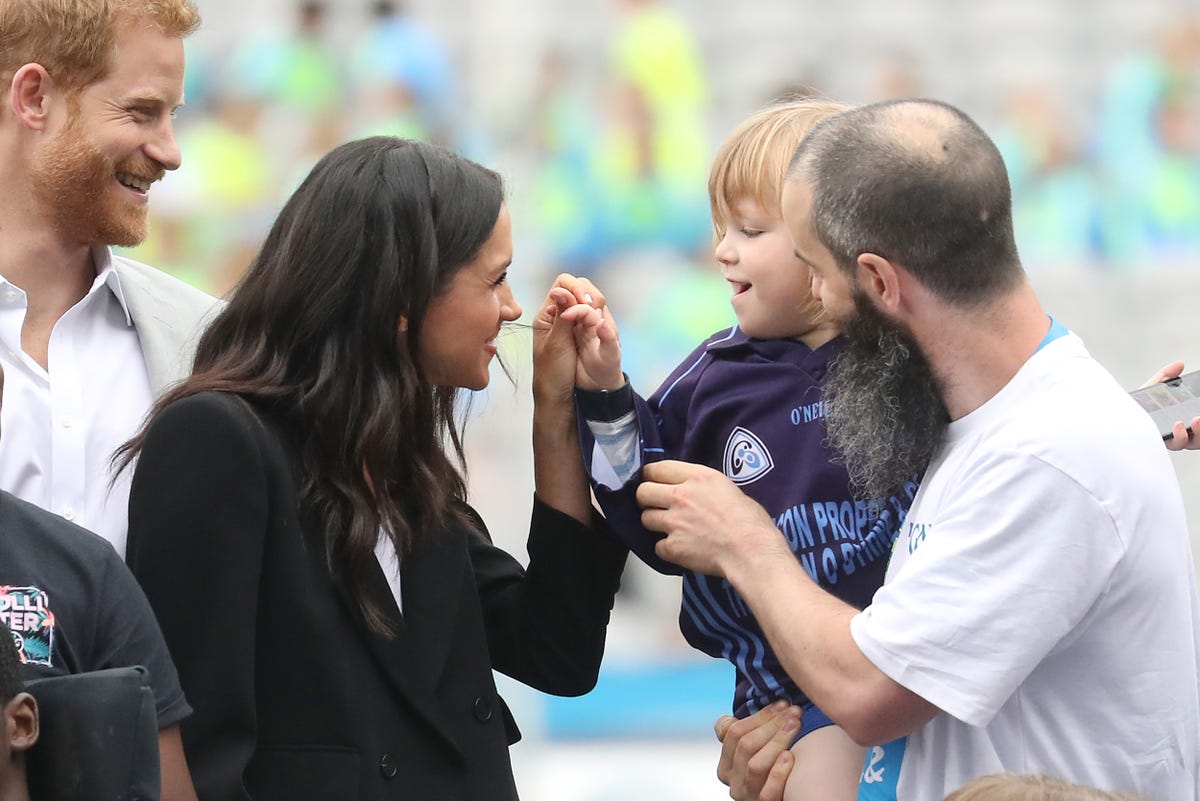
column 879, row 279
column 29, row 95
column 21, row 719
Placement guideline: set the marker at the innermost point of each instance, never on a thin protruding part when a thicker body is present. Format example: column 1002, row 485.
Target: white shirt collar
column 106, row 275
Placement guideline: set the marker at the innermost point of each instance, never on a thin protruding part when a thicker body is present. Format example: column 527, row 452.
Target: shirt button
column 68, row 422
column 69, row 513
column 483, row 710
column 387, row 767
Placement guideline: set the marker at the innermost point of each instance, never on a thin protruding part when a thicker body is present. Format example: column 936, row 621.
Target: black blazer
column 294, row 697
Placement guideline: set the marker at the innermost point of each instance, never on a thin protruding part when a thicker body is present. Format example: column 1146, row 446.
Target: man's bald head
column 918, row 183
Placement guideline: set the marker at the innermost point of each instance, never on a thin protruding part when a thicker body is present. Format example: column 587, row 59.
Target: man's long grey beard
column 884, row 414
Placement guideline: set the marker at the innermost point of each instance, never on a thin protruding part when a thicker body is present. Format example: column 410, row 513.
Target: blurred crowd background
column 602, row 115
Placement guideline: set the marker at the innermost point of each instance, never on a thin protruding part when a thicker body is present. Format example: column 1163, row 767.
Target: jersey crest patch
column 746, row 457
column 26, row 612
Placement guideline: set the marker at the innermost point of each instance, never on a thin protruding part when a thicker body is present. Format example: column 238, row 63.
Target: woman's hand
column 559, row 478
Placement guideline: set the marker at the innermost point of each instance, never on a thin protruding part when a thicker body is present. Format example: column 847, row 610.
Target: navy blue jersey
column 752, row 409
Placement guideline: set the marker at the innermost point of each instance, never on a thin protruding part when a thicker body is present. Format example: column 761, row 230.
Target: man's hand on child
column 755, row 756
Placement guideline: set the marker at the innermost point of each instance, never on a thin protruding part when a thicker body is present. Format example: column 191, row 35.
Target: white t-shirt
column 1042, row 595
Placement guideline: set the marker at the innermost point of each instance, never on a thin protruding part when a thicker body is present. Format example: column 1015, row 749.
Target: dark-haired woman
column 297, row 515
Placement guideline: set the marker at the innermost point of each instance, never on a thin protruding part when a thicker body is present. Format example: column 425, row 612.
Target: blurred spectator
column 654, row 154
column 896, row 75
column 1143, row 132
column 1054, row 190
column 1135, row 88
column 209, row 219
column 1155, row 221
column 403, row 77
column 567, row 202
column 297, row 70
column 1174, row 181
column 388, row 108
column 296, row 78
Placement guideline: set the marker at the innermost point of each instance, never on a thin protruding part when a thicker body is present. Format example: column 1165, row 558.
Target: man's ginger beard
column 77, row 185
column 884, row 414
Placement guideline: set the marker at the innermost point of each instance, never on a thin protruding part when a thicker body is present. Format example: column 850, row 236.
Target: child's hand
column 554, row 356
column 597, row 346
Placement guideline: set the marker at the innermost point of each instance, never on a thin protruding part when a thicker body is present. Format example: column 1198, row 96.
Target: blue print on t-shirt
column 881, row 771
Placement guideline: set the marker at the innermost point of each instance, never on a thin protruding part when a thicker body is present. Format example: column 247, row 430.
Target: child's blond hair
column 752, row 163
column 1011, row 787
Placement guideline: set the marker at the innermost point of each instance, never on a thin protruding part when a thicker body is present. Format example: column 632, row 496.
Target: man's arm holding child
column 713, row 528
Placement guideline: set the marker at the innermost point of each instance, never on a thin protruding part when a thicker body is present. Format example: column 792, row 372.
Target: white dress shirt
column 59, row 427
column 389, row 563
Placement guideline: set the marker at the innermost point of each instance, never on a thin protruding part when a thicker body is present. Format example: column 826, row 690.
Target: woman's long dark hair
column 322, row 335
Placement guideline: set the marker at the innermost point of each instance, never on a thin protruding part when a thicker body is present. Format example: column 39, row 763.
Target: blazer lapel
column 168, row 323
column 153, row 318
column 431, row 585
column 412, row 659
